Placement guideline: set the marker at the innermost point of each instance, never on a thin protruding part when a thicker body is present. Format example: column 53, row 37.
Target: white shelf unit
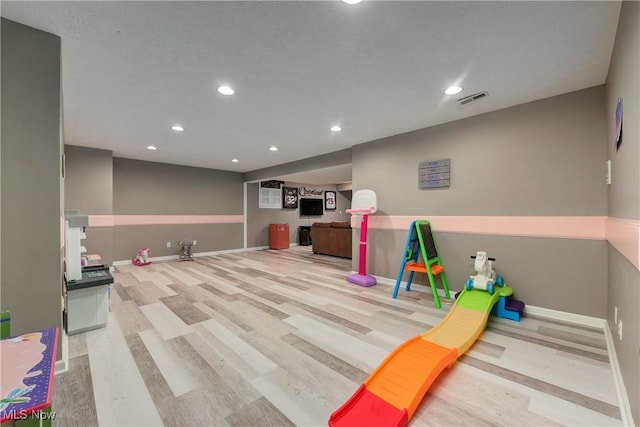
column 87, row 307
column 73, row 248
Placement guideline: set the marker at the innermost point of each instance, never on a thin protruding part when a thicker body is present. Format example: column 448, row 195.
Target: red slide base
column 366, row 409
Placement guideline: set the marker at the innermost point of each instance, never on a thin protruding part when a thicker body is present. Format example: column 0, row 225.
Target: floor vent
column 471, row 98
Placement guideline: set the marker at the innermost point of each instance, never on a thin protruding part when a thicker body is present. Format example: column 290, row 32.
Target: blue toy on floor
column 508, row 308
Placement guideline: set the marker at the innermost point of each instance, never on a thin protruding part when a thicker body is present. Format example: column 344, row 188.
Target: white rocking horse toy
column 142, row 258
column 486, row 277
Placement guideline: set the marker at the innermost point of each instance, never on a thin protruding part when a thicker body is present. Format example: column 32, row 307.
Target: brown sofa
column 331, row 238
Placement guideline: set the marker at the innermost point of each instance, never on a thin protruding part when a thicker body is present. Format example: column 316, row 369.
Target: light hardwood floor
column 279, row 338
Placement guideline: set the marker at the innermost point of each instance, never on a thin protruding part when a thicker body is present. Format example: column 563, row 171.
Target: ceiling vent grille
column 471, row 98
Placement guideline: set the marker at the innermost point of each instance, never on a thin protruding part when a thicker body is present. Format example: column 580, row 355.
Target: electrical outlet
column 195, row 242
column 168, row 244
column 615, row 314
column 620, row 329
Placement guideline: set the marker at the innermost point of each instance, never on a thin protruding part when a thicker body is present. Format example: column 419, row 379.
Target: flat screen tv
column 311, row 207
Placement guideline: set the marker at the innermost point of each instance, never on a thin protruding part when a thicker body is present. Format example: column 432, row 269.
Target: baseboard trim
column 195, row 255
column 420, row 287
column 61, row 366
column 121, row 262
column 381, row 280
column 228, row 251
column 577, row 319
column 623, row 397
column 547, row 313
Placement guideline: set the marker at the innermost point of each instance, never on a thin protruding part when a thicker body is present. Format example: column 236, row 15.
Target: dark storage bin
column 304, row 235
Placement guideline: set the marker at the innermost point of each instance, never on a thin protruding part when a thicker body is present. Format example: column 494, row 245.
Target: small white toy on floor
column 142, row 258
column 185, row 250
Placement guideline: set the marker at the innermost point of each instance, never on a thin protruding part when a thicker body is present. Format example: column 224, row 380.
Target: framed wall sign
column 290, row 198
column 435, row 173
column 329, row 200
column 271, row 184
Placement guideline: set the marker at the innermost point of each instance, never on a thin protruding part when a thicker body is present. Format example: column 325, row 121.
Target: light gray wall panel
column 89, row 188
column 31, row 275
column 88, row 180
column 541, row 158
column 258, row 220
column 537, row 159
column 148, row 188
column 100, row 241
column 624, row 81
column 319, row 162
column 559, row 274
column 211, row 237
column 624, row 293
column 624, row 194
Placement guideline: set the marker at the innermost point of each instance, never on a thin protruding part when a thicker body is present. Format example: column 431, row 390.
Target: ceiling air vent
column 471, row 98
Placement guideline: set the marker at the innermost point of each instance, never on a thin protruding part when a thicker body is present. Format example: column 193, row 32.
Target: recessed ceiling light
column 235, row 160
column 335, row 128
column 273, row 148
column 226, row 90
column 177, row 128
column 453, row 90
column 352, row 1
column 151, row 147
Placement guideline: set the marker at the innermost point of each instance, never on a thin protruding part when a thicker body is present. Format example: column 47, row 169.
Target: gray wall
column 31, row 276
column 534, row 267
column 89, row 188
column 336, row 158
column 258, row 220
column 624, row 281
column 542, row 158
column 145, row 188
column 99, row 184
column 148, row 188
column 210, row 237
column 624, row 195
column 624, row 81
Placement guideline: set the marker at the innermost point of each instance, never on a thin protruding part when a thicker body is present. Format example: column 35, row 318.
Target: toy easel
column 364, row 203
column 420, row 242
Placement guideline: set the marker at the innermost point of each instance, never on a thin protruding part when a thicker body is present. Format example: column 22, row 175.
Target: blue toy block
column 508, row 308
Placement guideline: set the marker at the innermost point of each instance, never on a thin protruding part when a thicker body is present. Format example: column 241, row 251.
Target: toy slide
column 391, row 395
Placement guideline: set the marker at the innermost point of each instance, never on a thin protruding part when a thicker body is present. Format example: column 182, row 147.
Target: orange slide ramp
column 392, row 393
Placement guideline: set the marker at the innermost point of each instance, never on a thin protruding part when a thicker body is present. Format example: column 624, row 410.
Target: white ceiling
column 132, row 69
